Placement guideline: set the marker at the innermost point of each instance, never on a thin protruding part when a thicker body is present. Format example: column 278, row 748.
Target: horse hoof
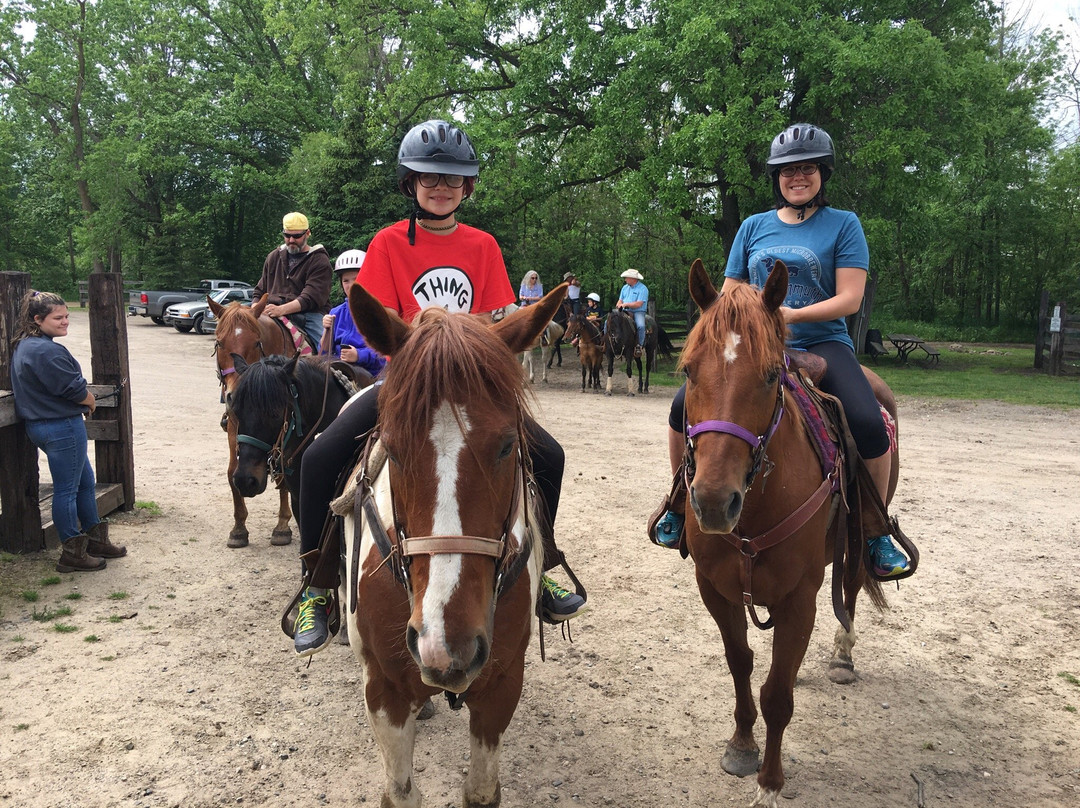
column 741, row 762
column 279, row 538
column 841, row 673
column 427, row 711
column 237, row 540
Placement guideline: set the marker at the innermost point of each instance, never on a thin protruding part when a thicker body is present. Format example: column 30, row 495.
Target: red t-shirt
column 462, row 272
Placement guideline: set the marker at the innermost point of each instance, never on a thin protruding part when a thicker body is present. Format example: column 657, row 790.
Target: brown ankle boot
column 74, row 558
column 99, row 544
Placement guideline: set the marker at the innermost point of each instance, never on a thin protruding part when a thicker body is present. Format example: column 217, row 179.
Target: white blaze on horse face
column 448, row 440
column 731, row 347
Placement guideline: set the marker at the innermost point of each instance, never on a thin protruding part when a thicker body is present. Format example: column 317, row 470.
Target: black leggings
column 843, row 379
column 325, row 459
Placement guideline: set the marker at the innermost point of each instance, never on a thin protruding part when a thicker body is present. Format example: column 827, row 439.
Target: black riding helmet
column 801, row 143
column 435, row 147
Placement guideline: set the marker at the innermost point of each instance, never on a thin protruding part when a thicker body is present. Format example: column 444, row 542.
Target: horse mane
column 235, row 314
column 739, row 310
column 265, row 382
column 448, row 357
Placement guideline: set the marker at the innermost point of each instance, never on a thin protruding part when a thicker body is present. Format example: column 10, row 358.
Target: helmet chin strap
column 426, row 215
column 801, row 208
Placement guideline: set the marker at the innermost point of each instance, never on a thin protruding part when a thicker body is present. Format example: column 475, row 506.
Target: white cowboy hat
column 632, row 273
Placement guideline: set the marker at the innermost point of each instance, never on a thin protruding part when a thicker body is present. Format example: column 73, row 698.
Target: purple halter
column 758, row 443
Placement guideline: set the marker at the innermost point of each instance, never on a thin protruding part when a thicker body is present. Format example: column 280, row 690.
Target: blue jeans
column 310, row 322
column 63, row 440
column 639, row 321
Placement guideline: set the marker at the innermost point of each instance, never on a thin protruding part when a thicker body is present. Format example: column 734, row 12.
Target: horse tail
column 663, row 342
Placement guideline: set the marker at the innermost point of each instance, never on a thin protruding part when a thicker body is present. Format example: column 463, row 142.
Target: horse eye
column 507, row 447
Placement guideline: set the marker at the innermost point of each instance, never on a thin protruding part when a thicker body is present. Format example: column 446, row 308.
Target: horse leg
column 287, row 506
column 630, row 376
column 610, row 372
column 584, row 370
column 794, row 622
column 396, row 744
column 488, row 719
column 742, row 756
column 238, row 536
column 545, row 362
column 650, row 357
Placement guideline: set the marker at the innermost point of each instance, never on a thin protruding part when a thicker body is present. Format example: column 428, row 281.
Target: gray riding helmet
column 802, row 143
column 435, row 147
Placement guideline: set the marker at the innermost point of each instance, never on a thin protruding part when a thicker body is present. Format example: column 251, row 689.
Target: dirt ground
column 177, row 688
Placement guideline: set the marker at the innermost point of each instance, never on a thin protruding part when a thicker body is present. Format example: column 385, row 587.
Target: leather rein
column 750, row 546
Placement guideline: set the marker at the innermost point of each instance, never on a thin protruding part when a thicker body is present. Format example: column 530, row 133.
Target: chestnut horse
column 443, row 559
column 590, row 347
column 244, row 331
column 761, row 540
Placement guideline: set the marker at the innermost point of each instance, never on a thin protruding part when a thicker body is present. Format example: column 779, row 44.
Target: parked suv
column 193, row 314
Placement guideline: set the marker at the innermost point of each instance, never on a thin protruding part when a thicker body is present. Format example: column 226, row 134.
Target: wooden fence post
column 114, row 459
column 20, row 514
column 1040, row 328
column 1057, row 340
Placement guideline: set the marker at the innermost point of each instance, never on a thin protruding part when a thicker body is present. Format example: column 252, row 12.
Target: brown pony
column 760, row 540
column 246, row 332
column 590, row 346
column 443, row 562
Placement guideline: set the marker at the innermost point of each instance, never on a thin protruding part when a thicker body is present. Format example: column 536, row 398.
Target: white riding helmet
column 595, row 298
column 350, row 259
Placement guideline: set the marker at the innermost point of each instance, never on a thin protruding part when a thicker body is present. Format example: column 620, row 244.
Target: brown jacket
column 309, row 282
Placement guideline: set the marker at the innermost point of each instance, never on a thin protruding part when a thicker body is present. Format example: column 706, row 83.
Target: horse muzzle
column 250, row 483
column 716, row 511
column 444, row 665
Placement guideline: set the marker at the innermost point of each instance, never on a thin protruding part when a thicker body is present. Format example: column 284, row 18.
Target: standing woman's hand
column 90, row 402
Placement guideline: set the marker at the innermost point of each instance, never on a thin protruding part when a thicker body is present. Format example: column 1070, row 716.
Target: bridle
column 398, row 548
column 292, row 426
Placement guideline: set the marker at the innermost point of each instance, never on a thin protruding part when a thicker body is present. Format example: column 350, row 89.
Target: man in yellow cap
column 297, row 277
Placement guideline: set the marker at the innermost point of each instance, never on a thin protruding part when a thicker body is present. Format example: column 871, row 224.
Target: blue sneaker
column 669, row 529
column 312, row 632
column 888, row 561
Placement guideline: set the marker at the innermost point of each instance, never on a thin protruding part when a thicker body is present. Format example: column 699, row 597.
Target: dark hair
column 35, row 304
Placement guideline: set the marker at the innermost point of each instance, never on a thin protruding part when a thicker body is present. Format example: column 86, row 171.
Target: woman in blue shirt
column 828, row 260
column 51, row 397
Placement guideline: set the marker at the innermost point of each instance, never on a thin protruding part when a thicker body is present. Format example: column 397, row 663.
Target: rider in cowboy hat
column 633, row 298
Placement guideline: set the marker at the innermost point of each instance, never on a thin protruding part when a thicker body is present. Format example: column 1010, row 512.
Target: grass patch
column 116, row 618
column 73, row 596
column 1069, row 708
column 21, row 727
column 109, row 658
column 1068, row 677
column 118, row 596
column 64, row 628
column 149, row 506
column 91, row 638
column 30, row 595
column 51, row 580
column 18, row 638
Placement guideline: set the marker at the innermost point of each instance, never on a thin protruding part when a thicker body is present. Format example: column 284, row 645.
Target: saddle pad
column 298, row 337
column 815, row 425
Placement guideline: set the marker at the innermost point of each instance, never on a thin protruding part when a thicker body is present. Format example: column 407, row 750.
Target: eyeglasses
column 294, row 236
column 432, row 180
column 807, row 170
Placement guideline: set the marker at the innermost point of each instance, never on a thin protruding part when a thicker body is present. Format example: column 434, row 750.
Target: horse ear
column 215, row 307
column 382, row 329
column 291, row 367
column 522, row 328
column 239, row 364
column 258, row 306
column 776, row 286
column 701, row 286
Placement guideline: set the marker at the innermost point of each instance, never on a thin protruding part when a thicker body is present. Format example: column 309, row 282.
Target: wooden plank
column 7, row 409
column 7, row 403
column 103, row 430
column 110, row 497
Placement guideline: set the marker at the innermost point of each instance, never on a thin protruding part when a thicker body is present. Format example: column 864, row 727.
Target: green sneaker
column 557, row 604
column 312, row 633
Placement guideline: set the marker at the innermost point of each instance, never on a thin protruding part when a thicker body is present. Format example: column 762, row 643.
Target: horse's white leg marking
column 444, row 570
column 731, row 347
column 765, row 798
column 483, row 776
column 396, row 745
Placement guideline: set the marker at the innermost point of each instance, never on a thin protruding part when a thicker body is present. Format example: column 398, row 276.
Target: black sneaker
column 311, row 633
column 558, row 604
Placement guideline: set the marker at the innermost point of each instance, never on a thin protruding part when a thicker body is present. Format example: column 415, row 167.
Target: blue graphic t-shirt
column 812, row 250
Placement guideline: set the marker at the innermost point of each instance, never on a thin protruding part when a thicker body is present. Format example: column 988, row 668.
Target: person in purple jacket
column 346, row 342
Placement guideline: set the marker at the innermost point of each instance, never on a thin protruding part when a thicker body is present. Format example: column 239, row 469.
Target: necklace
column 434, row 229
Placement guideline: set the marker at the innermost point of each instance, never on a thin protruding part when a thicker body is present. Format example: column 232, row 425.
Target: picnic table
column 906, row 343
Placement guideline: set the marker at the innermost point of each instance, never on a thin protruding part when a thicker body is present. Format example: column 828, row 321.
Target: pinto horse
column 443, row 555
column 244, row 332
column 279, row 405
column 590, row 346
column 621, row 339
column 761, row 540
column 550, row 338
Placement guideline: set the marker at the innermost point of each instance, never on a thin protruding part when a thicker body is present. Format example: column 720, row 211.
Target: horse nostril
column 734, row 507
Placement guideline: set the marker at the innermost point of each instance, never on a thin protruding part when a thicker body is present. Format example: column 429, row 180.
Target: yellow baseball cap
column 294, row 223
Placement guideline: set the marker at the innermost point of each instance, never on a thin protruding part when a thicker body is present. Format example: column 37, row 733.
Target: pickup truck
column 153, row 304
column 196, row 313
